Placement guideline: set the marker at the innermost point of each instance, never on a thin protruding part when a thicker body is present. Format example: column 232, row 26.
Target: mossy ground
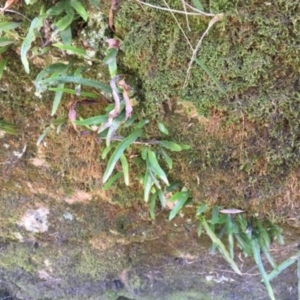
column 244, row 152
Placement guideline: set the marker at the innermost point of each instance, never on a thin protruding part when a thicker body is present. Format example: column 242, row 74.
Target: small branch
column 15, row 12
column 215, row 19
column 186, row 16
column 177, row 11
column 121, row 138
column 188, row 41
column 198, row 10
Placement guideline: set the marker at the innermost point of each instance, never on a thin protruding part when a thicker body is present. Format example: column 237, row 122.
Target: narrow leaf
column 111, row 56
column 167, row 158
column 3, row 63
column 152, row 206
column 77, row 80
column 57, row 99
column 65, row 21
column 182, row 197
column 220, row 246
column 201, row 209
column 285, row 264
column 4, row 41
column 148, row 182
column 6, row 26
column 92, row 120
column 161, row 197
column 111, row 181
column 154, row 165
column 257, row 258
column 106, row 151
column 170, row 145
column 125, row 167
column 72, row 49
column 36, row 23
column 197, row 4
column 216, row 81
column 162, row 128
column 118, row 152
column 73, row 92
column 79, row 9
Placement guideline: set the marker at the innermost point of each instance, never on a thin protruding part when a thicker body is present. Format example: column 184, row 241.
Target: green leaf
column 95, row 3
column 111, row 131
column 244, row 243
column 161, row 197
column 185, row 147
column 144, row 153
column 36, row 24
column 77, row 80
column 154, row 165
column 66, row 36
column 215, row 215
column 181, row 198
column 57, row 99
column 111, row 181
column 3, row 49
column 92, row 120
column 148, row 182
column 65, row 21
column 5, row 41
column 155, row 180
column 57, row 9
column 80, row 9
column 3, row 63
column 170, row 145
column 118, row 152
column 72, row 92
column 8, row 128
column 162, row 128
column 229, row 229
column 216, row 81
column 125, row 167
column 257, row 258
column 51, row 69
column 42, row 136
column 152, row 206
column 285, row 264
column 113, row 69
column 110, row 56
column 220, row 246
column 269, row 257
column 167, row 158
column 106, row 151
column 263, row 234
column 72, row 49
column 142, row 123
column 197, row 4
column 201, row 209
column 6, row 26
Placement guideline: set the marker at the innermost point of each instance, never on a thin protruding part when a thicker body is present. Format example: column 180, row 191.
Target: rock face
column 35, row 220
column 62, row 237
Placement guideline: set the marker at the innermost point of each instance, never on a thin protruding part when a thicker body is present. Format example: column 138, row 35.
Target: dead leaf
column 231, row 211
column 72, row 114
column 7, row 5
column 126, row 89
column 113, row 6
